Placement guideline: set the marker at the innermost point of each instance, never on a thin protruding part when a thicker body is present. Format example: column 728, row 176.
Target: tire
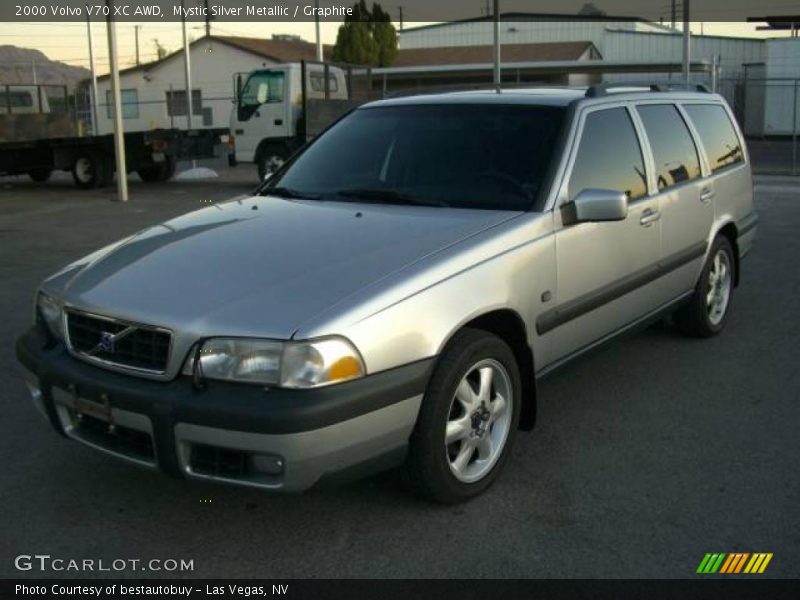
column 707, row 311
column 162, row 171
column 440, row 471
column 91, row 170
column 270, row 158
column 40, row 175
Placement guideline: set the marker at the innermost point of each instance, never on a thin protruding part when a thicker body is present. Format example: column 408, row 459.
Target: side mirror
column 599, row 205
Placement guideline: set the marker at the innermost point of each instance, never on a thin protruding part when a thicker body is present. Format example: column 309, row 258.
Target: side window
column 609, row 156
column 720, row 141
column 674, row 151
column 130, row 104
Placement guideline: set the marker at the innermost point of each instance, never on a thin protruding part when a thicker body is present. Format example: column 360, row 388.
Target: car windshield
column 486, row 156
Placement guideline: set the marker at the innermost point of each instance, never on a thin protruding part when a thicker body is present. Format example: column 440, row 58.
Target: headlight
column 49, row 310
column 290, row 364
column 240, row 359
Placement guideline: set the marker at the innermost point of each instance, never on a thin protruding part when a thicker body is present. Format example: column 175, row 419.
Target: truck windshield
column 263, row 87
column 458, row 155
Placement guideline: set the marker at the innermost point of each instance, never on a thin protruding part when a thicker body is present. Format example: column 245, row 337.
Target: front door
column 604, row 268
column 261, row 112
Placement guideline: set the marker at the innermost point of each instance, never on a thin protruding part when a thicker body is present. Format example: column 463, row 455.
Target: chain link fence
column 768, row 111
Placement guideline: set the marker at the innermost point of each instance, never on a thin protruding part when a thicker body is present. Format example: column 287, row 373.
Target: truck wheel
column 91, row 170
column 270, row 159
column 40, row 175
column 707, row 311
column 468, row 419
column 162, row 171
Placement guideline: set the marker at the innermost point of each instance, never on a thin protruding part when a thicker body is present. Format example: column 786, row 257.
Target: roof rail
column 603, row 89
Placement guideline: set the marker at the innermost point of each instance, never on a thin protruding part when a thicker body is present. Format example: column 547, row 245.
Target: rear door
column 685, row 197
column 604, row 268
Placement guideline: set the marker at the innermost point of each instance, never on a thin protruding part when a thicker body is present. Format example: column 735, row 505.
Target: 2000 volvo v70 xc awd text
column 393, row 291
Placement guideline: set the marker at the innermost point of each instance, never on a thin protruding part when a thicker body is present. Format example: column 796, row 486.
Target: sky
column 67, row 42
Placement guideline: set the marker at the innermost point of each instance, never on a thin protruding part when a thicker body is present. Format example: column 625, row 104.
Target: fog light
column 267, row 464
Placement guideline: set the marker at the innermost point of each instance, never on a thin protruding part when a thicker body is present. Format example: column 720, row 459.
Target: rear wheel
column 40, row 175
column 92, row 170
column 468, row 419
column 707, row 311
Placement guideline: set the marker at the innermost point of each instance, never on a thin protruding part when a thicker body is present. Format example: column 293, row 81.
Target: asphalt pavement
column 646, row 456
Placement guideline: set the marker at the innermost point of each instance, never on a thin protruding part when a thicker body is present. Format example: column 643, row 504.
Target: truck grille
column 111, row 341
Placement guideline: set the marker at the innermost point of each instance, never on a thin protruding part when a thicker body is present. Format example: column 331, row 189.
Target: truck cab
column 268, row 119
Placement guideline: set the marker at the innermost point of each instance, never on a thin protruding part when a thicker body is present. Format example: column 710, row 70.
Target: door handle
column 706, row 195
column 649, row 216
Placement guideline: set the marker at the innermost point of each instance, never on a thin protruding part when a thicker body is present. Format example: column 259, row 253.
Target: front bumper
column 235, row 433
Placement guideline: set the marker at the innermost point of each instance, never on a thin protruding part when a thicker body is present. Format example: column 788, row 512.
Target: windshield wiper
column 386, row 195
column 284, row 192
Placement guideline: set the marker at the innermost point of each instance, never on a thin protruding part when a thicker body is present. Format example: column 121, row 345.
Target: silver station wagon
column 392, row 293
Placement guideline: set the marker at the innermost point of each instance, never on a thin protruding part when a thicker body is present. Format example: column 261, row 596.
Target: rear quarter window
column 722, row 146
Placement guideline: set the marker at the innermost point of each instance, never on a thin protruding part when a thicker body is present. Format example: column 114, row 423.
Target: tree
column 367, row 37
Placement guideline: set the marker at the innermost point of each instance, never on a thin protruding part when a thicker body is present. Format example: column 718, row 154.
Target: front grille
column 144, row 348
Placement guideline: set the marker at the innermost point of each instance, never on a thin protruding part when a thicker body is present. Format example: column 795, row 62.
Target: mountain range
column 17, row 65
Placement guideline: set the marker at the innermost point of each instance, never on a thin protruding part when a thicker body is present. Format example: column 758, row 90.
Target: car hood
column 260, row 266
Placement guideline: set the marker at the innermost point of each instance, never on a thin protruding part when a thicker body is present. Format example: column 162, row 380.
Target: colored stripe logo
column 734, row 563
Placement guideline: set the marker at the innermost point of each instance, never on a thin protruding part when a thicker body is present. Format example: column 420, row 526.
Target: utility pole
column 136, row 40
column 497, row 44
column 208, row 19
column 95, row 120
column 119, row 139
column 400, row 8
column 187, row 71
column 316, row 27
column 687, row 34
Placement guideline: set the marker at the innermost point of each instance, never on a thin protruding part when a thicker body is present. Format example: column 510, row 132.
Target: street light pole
column 497, row 44
column 119, row 135
column 687, row 34
column 316, row 26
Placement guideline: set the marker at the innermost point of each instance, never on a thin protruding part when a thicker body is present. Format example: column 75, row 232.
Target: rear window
column 719, row 138
column 457, row 155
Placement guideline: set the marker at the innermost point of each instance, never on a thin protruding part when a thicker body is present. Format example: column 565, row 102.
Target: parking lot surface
column 646, row 455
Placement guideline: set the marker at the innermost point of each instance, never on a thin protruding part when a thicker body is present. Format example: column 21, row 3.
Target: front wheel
column 270, row 159
column 707, row 311
column 468, row 419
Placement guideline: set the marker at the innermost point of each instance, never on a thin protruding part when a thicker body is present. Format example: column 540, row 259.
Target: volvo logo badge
column 107, row 341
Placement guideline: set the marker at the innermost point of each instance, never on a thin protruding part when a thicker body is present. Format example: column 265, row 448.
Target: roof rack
column 602, row 89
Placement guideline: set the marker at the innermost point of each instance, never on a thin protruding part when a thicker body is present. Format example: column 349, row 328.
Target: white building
column 618, row 40
column 154, row 94
column 772, row 90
